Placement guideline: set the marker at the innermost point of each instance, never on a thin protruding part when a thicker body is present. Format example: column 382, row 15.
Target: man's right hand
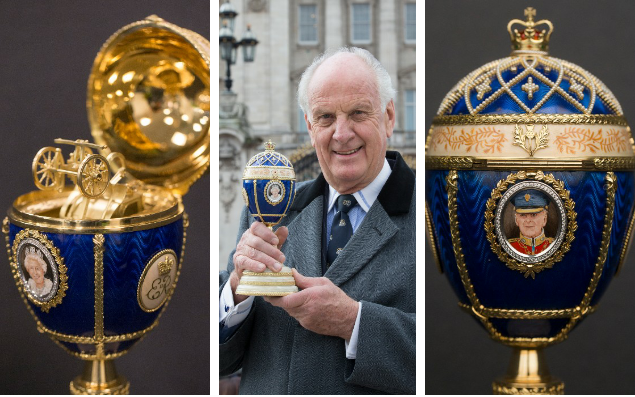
column 257, row 250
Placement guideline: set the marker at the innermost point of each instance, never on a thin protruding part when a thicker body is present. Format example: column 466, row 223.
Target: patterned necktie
column 341, row 228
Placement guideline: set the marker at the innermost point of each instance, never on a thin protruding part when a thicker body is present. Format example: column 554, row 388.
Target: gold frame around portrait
column 58, row 261
column 530, row 269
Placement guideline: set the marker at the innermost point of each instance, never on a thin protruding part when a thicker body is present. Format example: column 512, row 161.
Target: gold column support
column 528, row 374
column 99, row 377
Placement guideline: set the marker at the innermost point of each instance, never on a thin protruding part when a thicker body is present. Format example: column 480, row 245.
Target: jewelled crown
column 165, row 267
column 530, row 38
column 530, row 82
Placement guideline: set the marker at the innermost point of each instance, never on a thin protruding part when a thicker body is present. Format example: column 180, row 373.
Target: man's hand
column 320, row 306
column 257, row 250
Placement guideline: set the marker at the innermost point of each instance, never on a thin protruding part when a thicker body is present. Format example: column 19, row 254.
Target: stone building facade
column 291, row 33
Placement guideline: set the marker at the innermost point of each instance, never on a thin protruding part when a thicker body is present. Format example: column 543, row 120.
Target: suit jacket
column 376, row 267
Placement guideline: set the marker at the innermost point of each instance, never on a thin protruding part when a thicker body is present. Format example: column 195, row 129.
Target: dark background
column 46, row 53
column 461, row 36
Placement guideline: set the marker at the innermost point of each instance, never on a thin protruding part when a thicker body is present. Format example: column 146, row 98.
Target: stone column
column 279, row 101
column 333, row 35
column 388, row 53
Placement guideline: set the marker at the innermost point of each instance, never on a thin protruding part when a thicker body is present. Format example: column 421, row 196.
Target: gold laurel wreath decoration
column 572, row 226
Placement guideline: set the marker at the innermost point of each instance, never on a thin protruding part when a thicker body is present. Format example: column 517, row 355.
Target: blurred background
column 48, row 49
column 462, row 35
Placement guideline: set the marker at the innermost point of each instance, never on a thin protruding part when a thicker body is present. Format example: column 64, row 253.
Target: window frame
column 370, row 22
column 413, row 105
column 405, row 23
column 316, row 25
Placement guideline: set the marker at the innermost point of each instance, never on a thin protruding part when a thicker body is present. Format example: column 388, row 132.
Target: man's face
column 347, row 125
column 531, row 225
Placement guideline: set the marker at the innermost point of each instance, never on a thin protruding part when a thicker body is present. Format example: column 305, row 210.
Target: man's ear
column 309, row 127
column 390, row 118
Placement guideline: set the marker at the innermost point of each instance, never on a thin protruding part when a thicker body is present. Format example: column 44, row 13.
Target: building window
column 411, row 22
column 308, row 28
column 360, row 23
column 410, row 108
column 301, row 125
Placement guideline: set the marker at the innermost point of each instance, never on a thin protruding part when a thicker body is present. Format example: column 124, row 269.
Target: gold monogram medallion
column 157, row 280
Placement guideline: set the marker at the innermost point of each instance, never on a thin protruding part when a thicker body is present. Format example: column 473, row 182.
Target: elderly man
column 530, row 215
column 350, row 237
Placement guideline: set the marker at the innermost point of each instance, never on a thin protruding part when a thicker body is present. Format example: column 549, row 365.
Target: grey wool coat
column 377, row 267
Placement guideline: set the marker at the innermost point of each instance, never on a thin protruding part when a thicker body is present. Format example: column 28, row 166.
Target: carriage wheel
column 45, row 168
column 93, row 175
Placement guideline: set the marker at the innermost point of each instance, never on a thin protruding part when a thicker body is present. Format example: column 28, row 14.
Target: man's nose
column 343, row 131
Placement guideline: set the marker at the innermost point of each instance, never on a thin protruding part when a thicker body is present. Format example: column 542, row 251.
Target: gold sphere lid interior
column 149, row 99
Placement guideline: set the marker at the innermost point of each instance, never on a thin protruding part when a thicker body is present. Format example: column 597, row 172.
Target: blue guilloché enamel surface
column 624, row 199
column 277, row 211
column 125, row 257
column 437, row 200
column 76, row 314
column 560, row 287
column 556, row 104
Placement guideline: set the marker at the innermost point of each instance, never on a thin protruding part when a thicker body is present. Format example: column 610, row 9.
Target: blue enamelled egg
column 96, row 287
column 269, row 186
column 530, row 192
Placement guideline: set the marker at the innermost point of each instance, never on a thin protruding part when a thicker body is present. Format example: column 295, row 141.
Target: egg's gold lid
column 149, row 99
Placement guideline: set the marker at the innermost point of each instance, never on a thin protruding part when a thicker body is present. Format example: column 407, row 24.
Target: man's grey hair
column 384, row 83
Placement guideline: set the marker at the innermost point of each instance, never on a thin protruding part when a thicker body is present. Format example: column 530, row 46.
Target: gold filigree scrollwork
column 432, row 238
column 614, row 163
column 527, row 314
column 57, row 259
column 483, row 314
column 530, row 269
column 453, row 188
column 482, row 119
column 627, row 243
column 98, row 251
column 476, row 163
column 515, row 391
column 610, row 186
column 449, row 162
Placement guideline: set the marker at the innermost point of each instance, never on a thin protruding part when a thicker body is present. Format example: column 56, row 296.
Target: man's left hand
column 320, row 306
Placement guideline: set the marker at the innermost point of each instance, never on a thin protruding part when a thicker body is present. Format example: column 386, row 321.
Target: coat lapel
column 370, row 237
column 305, row 231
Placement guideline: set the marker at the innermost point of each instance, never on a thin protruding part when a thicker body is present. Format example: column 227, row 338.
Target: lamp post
column 228, row 43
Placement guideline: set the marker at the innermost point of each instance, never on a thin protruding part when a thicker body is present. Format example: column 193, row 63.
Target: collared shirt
column 232, row 315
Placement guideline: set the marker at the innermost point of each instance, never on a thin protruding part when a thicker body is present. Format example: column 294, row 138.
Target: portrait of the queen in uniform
column 37, row 274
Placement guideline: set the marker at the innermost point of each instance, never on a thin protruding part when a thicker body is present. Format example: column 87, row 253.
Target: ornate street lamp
column 228, row 43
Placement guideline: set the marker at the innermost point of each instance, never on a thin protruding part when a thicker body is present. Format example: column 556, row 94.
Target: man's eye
column 324, row 116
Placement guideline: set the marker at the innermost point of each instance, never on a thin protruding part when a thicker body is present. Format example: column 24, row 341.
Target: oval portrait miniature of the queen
column 37, row 270
column 274, row 192
column 530, row 221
